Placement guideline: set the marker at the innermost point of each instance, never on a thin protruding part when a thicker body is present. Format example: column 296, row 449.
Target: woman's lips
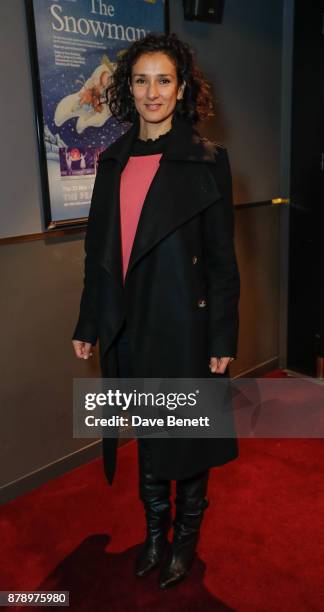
column 153, row 106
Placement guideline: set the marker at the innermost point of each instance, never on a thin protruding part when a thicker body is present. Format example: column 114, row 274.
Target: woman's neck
column 152, row 131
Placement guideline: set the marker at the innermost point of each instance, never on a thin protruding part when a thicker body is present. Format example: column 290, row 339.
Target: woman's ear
column 181, row 90
column 130, row 86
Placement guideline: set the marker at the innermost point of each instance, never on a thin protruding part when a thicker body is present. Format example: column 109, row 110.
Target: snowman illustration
column 89, row 104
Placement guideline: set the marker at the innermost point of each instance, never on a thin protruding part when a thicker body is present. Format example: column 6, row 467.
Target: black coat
column 182, row 286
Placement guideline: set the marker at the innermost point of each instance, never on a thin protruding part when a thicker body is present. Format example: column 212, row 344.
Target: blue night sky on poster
column 78, row 42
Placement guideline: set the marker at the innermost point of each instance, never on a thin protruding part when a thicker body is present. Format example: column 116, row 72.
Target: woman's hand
column 218, row 365
column 82, row 349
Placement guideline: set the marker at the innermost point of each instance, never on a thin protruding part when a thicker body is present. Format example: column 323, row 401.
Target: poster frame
column 48, row 222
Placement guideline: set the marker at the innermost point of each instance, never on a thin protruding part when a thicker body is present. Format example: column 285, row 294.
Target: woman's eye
column 164, row 81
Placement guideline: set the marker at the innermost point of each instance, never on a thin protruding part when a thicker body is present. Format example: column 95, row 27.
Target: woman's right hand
column 82, row 349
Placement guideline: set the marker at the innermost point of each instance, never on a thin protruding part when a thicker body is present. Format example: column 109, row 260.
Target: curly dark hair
column 196, row 104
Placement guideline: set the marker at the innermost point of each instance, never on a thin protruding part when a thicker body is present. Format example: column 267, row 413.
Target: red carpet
column 261, row 547
column 276, row 374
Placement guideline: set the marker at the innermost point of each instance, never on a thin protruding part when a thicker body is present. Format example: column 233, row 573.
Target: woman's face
column 154, row 87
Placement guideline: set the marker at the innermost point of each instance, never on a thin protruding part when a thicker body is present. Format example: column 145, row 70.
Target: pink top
column 135, row 181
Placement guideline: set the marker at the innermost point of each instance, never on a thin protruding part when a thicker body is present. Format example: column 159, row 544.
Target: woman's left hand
column 218, row 365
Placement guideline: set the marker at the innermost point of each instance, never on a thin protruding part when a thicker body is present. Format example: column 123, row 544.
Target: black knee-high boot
column 155, row 494
column 191, row 503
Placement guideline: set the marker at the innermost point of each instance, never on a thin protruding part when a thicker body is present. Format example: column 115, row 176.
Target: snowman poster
column 75, row 46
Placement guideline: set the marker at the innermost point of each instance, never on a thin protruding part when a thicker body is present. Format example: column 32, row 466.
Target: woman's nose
column 152, row 90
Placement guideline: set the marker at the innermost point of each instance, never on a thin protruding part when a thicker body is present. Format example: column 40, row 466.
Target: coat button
column 202, row 303
column 194, row 259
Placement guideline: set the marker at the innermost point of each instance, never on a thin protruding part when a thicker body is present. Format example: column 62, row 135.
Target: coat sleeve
column 223, row 278
column 86, row 329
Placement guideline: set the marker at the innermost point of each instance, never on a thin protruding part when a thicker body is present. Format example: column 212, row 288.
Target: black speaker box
column 204, row 10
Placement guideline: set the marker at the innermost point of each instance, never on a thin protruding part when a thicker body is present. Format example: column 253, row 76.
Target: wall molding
column 59, row 233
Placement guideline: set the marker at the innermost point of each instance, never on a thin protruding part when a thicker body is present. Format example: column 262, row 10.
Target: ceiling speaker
column 204, row 10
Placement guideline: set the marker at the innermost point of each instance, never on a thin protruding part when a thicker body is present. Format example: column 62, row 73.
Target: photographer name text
column 137, row 421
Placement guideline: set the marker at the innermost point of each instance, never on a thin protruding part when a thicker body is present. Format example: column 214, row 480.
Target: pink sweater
column 136, row 179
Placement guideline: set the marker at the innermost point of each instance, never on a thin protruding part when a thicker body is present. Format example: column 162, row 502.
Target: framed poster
column 74, row 47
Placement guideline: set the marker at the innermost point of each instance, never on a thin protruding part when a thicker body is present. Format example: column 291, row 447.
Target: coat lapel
column 177, row 193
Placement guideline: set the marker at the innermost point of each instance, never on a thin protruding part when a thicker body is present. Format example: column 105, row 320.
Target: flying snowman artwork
column 89, row 104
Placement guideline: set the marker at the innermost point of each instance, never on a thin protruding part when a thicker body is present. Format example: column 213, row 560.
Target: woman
column 161, row 286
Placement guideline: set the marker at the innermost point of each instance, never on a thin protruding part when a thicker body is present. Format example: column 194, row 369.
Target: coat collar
column 185, row 144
